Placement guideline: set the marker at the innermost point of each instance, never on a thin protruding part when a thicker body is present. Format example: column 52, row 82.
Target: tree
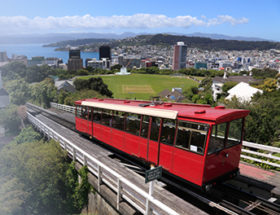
column 83, row 94
column 264, row 73
column 19, row 91
column 95, row 84
column 263, row 123
column 116, row 67
column 14, row 70
column 228, row 85
column 10, row 119
column 38, row 73
column 36, row 178
column 44, row 92
column 269, row 85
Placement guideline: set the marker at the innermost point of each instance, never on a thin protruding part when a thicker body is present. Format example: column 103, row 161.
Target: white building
column 243, row 92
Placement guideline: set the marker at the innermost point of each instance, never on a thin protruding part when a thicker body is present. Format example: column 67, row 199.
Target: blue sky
column 251, row 18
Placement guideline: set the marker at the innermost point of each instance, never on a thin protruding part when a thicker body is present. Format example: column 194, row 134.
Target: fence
column 262, row 157
column 124, row 189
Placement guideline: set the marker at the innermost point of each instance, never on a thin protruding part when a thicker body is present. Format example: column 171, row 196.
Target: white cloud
column 136, row 21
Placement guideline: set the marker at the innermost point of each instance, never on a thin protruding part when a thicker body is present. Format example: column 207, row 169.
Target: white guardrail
column 262, row 157
column 124, row 189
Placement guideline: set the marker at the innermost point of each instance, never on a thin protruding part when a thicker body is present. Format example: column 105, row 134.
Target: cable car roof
column 167, row 110
column 169, row 114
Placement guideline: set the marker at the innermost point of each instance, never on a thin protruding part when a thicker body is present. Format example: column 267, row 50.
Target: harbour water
column 32, row 50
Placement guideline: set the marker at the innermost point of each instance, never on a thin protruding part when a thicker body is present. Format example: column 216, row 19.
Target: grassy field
column 143, row 86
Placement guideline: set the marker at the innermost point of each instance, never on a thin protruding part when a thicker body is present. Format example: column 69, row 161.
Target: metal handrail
column 254, row 146
column 101, row 171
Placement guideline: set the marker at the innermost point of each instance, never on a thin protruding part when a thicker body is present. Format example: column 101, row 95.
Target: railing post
column 148, row 206
column 119, row 194
column 74, row 154
column 99, row 178
column 85, row 160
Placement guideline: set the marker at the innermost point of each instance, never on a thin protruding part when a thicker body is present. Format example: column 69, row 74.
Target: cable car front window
column 192, row 136
column 218, row 138
column 234, row 132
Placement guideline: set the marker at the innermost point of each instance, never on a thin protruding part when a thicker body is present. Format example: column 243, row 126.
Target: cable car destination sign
column 153, row 174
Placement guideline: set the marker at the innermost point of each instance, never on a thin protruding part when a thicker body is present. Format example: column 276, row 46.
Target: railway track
column 224, row 198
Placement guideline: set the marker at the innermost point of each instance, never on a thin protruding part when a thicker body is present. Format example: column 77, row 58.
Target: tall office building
column 104, row 52
column 179, row 56
column 3, row 57
column 75, row 62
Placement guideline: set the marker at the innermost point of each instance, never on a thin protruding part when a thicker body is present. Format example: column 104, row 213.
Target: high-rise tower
column 104, row 52
column 75, row 62
column 179, row 56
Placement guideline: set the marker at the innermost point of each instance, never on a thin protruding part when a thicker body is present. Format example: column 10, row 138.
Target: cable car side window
column 118, row 120
column 155, row 129
column 97, row 115
column 192, row 136
column 106, row 117
column 218, row 138
column 132, row 124
column 168, row 131
column 234, row 132
column 145, row 126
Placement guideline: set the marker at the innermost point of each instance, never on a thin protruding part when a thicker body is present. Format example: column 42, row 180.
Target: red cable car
column 197, row 143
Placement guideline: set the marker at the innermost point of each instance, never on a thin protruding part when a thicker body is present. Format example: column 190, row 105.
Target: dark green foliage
column 17, row 70
column 10, row 119
column 116, row 67
column 27, row 135
column 35, row 178
column 95, row 84
column 62, row 96
column 263, row 122
column 82, row 72
column 264, row 73
column 228, row 85
column 194, row 90
column 14, row 70
column 84, row 94
column 18, row 90
column 43, row 93
column 82, row 190
column 201, row 97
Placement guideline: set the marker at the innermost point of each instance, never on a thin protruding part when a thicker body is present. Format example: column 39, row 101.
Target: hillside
column 168, row 39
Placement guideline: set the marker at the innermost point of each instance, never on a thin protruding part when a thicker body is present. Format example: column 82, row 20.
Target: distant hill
column 196, row 42
column 61, row 37
column 58, row 37
column 225, row 37
column 79, row 42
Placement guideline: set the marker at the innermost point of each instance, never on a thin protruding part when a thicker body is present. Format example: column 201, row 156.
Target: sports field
column 143, row 86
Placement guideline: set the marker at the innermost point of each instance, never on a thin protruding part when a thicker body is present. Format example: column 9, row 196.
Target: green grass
column 143, row 86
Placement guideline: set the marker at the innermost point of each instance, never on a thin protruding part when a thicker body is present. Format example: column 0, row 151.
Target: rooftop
column 191, row 111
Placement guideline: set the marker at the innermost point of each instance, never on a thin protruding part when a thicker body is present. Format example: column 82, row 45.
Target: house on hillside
column 65, row 85
column 218, row 82
column 243, row 92
column 174, row 95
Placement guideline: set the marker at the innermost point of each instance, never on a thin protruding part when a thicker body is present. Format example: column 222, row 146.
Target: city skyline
column 233, row 18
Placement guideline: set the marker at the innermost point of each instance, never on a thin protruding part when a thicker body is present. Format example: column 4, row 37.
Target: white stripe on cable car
column 169, row 114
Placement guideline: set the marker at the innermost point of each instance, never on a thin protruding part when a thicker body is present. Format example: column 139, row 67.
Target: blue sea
column 32, row 50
